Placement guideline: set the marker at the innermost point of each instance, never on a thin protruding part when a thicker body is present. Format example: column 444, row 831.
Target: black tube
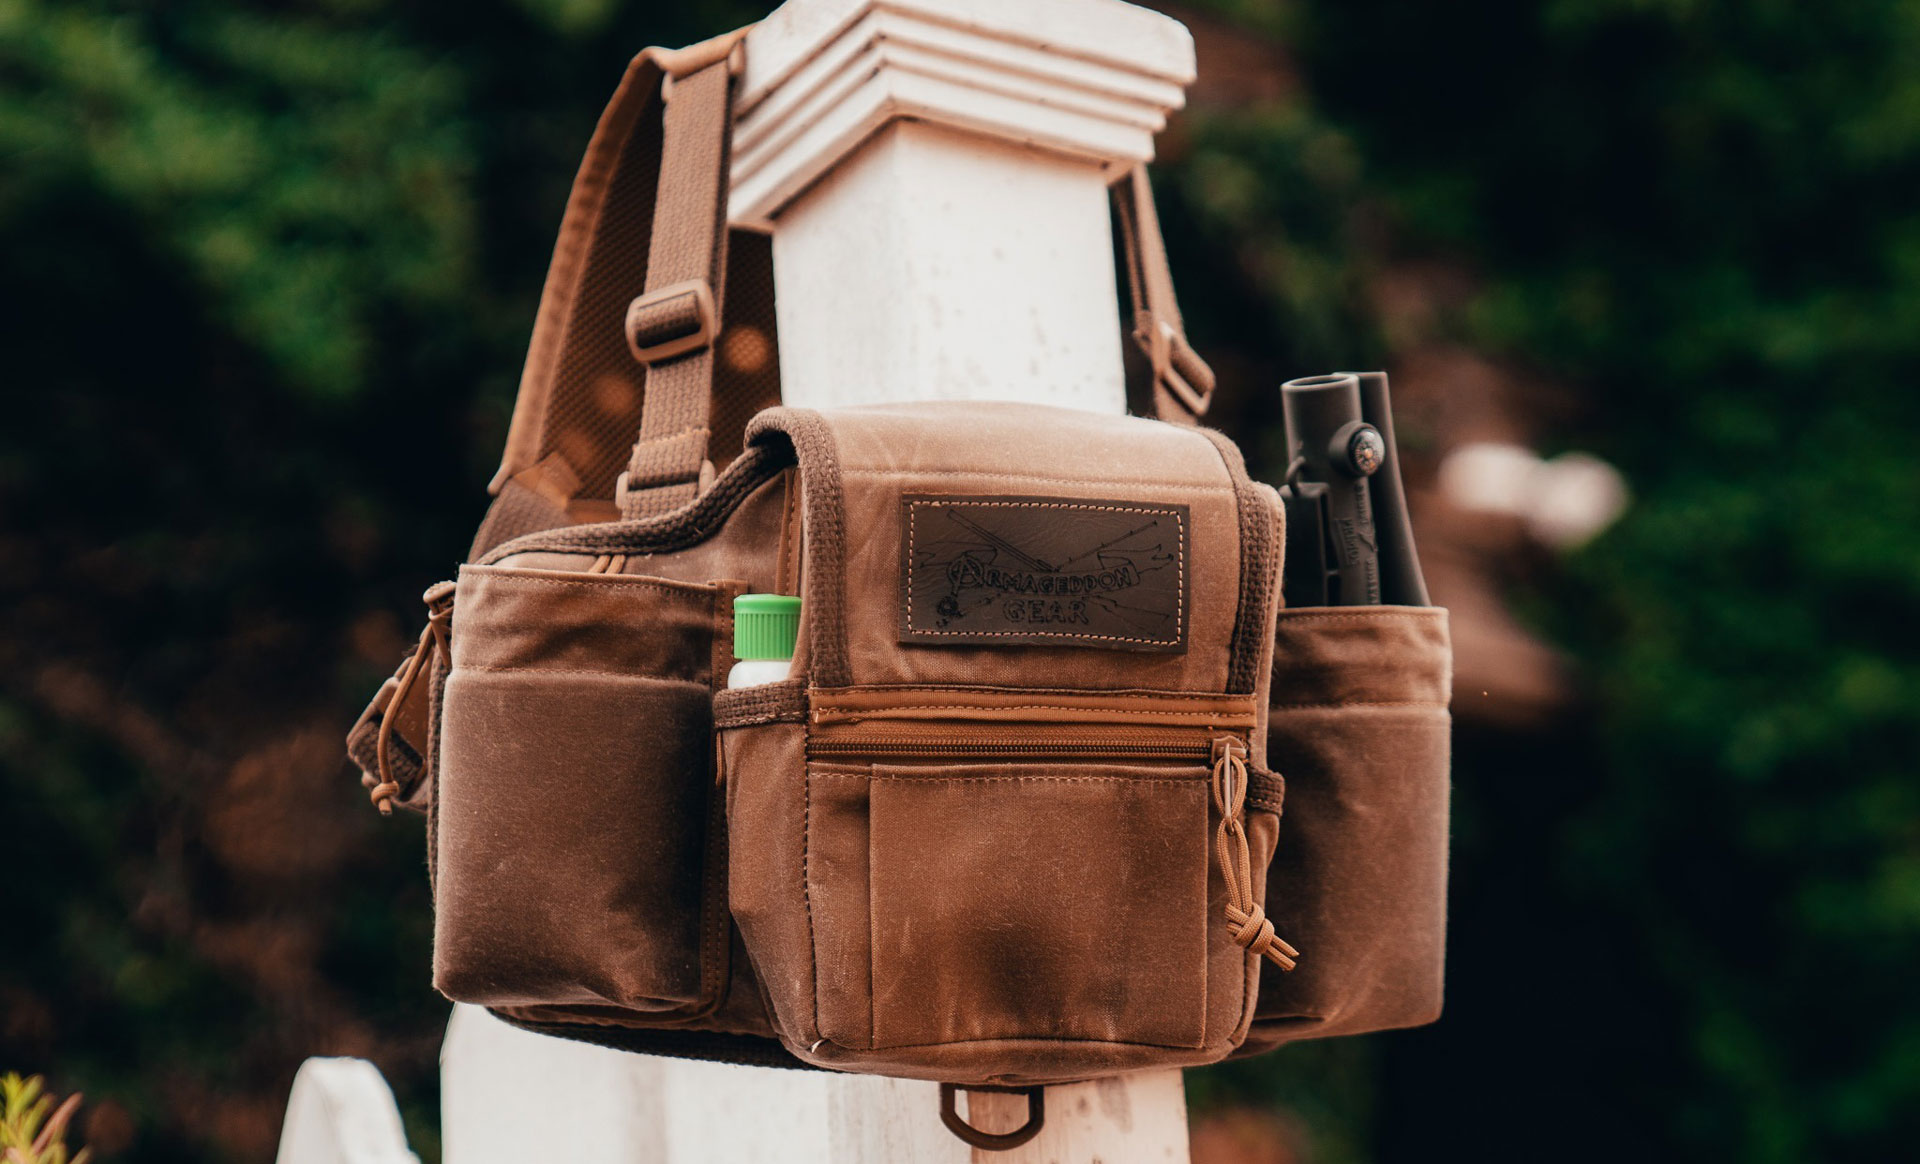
column 1401, row 582
column 1329, row 442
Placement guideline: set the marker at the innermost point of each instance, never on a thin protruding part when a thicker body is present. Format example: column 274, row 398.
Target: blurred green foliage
column 32, row 1129
column 269, row 270
column 1705, row 215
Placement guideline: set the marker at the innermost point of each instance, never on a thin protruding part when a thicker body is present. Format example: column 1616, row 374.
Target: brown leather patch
column 1003, row 571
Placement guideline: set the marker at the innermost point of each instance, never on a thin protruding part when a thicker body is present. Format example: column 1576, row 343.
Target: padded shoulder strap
column 581, row 389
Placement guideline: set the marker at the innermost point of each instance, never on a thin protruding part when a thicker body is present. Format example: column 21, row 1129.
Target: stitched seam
column 576, row 671
column 606, row 581
column 1130, row 693
column 1180, row 561
column 1051, row 635
column 716, row 952
column 1057, row 505
column 1252, row 638
column 1087, row 481
column 1210, row 715
column 873, row 947
column 1300, row 614
column 806, row 894
column 715, row 917
column 1178, row 781
column 720, row 646
column 790, row 538
column 750, row 719
column 1053, row 1039
column 1441, row 705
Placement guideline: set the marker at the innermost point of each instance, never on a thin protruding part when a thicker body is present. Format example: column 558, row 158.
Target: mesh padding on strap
column 746, row 376
column 594, row 411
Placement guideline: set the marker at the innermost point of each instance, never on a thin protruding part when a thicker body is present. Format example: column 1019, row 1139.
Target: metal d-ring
column 995, row 1141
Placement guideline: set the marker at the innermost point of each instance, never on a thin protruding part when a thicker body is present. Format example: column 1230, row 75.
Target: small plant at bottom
column 27, row 1134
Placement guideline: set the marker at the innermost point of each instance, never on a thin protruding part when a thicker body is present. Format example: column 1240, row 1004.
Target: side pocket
column 571, row 818
column 762, row 747
column 1359, row 730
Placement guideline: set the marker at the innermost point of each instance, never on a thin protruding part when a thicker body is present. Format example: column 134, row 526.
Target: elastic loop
column 434, row 642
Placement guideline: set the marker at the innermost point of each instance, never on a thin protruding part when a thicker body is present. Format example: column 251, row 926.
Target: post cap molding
column 1092, row 79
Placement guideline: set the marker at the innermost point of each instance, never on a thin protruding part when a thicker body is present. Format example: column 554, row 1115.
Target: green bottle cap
column 765, row 626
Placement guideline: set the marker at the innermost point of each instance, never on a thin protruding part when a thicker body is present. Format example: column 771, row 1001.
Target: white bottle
column 765, row 628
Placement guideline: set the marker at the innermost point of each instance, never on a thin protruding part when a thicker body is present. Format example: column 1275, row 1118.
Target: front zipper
column 887, row 745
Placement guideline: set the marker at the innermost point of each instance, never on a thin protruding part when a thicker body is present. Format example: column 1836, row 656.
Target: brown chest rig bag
column 1013, row 818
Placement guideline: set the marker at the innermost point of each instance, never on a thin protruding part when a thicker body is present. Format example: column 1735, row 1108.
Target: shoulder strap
column 647, row 213
column 581, row 389
column 1182, row 381
column 671, row 327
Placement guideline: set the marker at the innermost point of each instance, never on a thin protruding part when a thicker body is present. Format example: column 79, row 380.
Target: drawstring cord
column 433, row 641
column 1251, row 927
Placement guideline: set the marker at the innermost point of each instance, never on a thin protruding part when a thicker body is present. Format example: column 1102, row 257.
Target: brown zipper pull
column 1251, row 928
column 434, row 640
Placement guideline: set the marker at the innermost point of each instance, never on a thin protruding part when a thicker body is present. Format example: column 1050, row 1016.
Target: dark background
column 267, row 270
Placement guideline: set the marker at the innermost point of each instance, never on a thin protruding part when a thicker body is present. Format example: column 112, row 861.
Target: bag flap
column 1133, row 554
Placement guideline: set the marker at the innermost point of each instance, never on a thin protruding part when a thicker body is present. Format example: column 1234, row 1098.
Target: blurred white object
column 1564, row 502
column 342, row 1112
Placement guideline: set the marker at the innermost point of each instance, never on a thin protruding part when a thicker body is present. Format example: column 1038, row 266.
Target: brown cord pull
column 433, row 641
column 995, row 1141
column 1251, row 928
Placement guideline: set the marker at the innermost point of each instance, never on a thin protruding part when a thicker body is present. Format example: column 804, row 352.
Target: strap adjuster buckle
column 1176, row 366
column 671, row 321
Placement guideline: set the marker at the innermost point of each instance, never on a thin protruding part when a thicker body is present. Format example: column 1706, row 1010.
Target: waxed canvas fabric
column 951, row 913
column 577, row 713
column 1359, row 723
column 960, row 919
column 1024, row 809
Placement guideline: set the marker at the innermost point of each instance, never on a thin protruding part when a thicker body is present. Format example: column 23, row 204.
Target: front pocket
column 575, row 812
column 999, row 886
column 1012, row 901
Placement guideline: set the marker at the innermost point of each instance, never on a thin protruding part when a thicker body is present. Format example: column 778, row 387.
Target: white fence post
column 934, row 173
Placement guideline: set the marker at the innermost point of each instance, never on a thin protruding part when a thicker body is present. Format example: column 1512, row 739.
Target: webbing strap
column 1182, row 381
column 670, row 328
